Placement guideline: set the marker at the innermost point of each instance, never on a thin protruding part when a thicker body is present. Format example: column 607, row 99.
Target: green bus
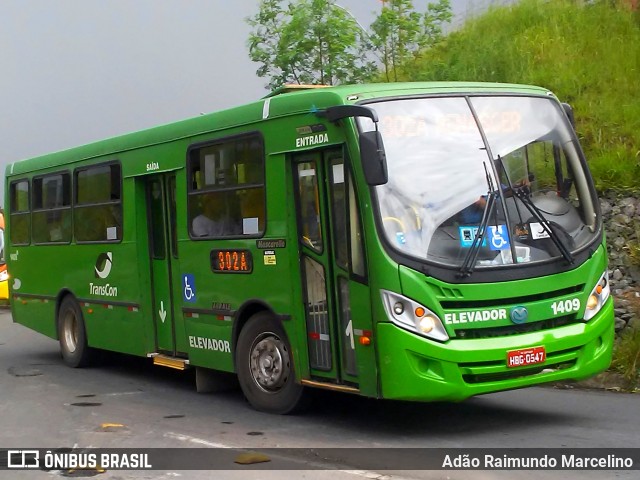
column 414, row 241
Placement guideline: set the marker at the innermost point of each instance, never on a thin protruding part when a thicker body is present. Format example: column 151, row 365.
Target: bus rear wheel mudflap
column 72, row 334
column 265, row 366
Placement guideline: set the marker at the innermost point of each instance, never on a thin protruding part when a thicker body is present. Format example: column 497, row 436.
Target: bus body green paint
column 332, row 258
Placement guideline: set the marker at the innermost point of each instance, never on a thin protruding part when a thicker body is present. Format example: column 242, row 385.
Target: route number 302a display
column 565, row 306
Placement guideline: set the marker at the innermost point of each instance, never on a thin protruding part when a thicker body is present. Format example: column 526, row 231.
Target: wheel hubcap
column 269, row 362
column 70, row 326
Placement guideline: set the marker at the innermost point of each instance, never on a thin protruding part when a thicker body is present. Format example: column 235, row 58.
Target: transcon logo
column 102, row 271
column 103, row 265
column 103, row 290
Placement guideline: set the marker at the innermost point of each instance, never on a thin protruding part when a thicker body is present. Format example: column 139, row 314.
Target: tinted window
column 98, row 208
column 51, row 220
column 226, row 190
column 19, row 212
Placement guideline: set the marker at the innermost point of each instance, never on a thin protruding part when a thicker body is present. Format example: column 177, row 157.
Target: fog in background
column 76, row 71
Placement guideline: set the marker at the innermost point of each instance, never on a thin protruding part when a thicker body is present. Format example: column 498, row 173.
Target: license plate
column 527, row 356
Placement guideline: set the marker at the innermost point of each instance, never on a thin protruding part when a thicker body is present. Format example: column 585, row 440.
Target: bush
column 626, row 356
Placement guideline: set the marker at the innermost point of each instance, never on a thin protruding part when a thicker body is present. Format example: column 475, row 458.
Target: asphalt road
column 127, row 402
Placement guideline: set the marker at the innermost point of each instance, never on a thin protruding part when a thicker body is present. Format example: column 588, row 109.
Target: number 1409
column 565, row 306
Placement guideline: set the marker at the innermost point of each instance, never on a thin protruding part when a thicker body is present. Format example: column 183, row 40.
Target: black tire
column 265, row 366
column 72, row 334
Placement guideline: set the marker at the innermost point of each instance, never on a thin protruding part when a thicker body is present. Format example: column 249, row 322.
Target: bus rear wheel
column 72, row 334
column 265, row 366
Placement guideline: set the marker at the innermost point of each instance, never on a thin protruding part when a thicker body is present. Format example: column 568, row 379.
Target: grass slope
column 587, row 53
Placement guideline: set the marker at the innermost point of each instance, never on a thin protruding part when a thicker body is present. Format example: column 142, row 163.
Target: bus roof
column 288, row 100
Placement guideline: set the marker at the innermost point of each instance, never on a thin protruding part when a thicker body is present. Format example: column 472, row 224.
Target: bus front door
column 336, row 294
column 161, row 223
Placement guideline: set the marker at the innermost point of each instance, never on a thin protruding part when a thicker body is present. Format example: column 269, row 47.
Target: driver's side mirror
column 374, row 159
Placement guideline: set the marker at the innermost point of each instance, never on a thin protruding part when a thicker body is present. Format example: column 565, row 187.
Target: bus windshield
column 484, row 181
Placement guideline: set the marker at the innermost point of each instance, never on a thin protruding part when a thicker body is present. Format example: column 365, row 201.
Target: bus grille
column 497, row 302
column 482, row 372
column 504, row 331
column 510, row 375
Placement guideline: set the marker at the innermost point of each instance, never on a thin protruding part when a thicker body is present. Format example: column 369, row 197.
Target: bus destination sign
column 231, row 261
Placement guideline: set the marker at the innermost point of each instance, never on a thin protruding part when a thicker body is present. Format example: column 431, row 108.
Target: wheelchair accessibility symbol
column 498, row 238
column 188, row 288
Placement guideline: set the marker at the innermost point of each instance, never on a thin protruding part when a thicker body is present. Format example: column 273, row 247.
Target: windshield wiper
column 470, row 258
column 523, row 193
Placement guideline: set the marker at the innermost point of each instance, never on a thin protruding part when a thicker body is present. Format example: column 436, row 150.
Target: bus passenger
column 214, row 221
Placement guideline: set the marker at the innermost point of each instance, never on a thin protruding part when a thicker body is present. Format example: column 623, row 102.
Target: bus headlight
column 598, row 296
column 412, row 316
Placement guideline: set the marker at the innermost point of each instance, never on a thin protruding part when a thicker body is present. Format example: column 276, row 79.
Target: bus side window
column 98, row 209
column 20, row 217
column 310, row 226
column 339, row 210
column 358, row 264
column 346, row 219
column 52, row 209
column 226, row 188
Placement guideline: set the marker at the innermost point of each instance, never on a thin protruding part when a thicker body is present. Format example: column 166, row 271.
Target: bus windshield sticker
column 538, row 231
column 189, row 287
column 498, row 238
column 521, row 231
column 269, row 257
column 231, row 261
column 467, row 236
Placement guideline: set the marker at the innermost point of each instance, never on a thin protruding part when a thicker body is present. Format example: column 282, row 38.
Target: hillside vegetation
column 587, row 53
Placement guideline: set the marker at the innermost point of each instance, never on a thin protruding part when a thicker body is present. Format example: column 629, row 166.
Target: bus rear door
column 160, row 191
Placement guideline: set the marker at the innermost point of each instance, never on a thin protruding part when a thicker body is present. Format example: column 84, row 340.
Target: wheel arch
column 244, row 313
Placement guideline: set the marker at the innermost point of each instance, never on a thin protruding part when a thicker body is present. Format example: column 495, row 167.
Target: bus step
column 171, row 362
column 330, row 386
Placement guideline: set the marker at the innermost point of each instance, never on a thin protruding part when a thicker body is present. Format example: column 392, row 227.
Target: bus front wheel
column 265, row 366
column 72, row 334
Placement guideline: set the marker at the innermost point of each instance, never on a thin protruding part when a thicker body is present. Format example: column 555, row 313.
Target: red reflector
column 219, row 317
column 367, row 333
column 314, row 336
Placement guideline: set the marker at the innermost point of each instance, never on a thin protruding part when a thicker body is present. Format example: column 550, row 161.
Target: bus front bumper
column 418, row 369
